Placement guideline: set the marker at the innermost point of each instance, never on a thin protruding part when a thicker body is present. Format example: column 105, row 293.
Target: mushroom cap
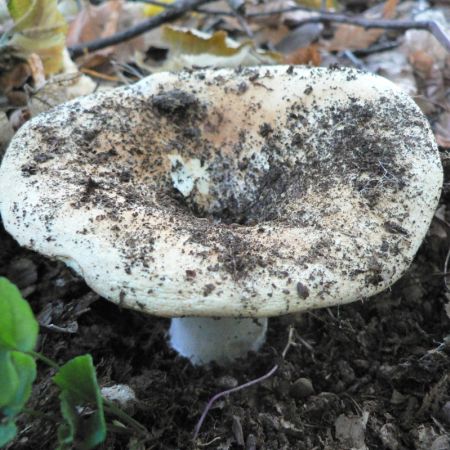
column 252, row 192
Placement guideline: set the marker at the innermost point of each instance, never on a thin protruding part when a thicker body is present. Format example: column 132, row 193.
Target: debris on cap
column 245, row 193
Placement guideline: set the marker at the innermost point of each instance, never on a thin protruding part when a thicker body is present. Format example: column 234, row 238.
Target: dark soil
column 386, row 360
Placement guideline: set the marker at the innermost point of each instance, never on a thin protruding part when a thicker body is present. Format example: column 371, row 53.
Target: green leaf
column 8, row 432
column 17, row 373
column 9, row 378
column 39, row 27
column 67, row 430
column 33, row 14
column 18, row 8
column 25, row 367
column 18, row 327
column 79, row 389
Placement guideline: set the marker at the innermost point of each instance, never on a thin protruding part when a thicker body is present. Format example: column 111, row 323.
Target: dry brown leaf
column 15, row 77
column 271, row 35
column 423, row 41
column 422, row 63
column 95, row 22
column 189, row 47
column 351, row 37
column 389, row 9
column 17, row 71
column 305, row 55
column 442, row 134
column 284, row 37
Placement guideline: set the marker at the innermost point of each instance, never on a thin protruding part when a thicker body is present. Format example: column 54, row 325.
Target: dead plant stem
column 243, row 386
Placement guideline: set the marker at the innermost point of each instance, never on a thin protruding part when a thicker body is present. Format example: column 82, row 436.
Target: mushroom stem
column 203, row 340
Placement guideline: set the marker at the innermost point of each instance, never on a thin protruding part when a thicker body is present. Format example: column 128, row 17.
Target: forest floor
column 369, row 375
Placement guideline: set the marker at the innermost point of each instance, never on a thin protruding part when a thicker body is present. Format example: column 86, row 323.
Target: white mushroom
column 239, row 194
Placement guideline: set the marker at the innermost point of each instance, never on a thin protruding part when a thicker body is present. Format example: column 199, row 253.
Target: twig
column 431, row 26
column 236, row 10
column 124, row 67
column 242, row 386
column 220, row 12
column 206, row 444
column 118, row 429
column 428, row 25
column 354, row 60
column 174, row 12
column 110, row 407
column 95, row 74
column 377, row 48
column 177, row 9
column 44, row 359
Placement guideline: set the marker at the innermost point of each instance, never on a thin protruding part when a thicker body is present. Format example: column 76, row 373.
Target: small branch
column 207, row 444
column 174, row 12
column 110, row 407
column 220, row 12
column 244, row 25
column 242, row 386
column 403, row 25
column 238, row 9
column 431, row 26
column 44, row 359
column 377, row 48
column 354, row 60
column 118, row 429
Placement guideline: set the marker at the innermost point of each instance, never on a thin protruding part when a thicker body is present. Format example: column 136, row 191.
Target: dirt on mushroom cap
column 257, row 181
